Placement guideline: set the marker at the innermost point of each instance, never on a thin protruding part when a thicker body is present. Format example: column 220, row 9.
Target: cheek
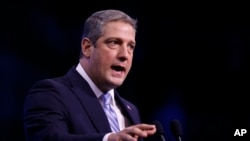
column 106, row 59
column 130, row 59
column 130, row 64
column 108, row 56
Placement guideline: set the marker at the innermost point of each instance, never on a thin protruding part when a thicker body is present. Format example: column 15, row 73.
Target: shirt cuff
column 105, row 138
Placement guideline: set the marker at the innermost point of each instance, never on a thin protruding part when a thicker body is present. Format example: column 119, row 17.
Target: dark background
column 191, row 62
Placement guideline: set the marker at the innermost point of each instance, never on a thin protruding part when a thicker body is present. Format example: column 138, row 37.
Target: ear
column 86, row 45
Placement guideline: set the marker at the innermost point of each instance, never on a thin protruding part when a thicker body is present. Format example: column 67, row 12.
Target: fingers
column 122, row 136
column 132, row 133
column 145, row 129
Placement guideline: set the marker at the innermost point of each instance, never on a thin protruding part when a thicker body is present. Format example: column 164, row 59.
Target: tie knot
column 106, row 98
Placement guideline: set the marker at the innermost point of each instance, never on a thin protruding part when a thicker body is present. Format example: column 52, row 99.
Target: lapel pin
column 128, row 107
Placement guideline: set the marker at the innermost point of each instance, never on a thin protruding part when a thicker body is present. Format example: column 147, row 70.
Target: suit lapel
column 92, row 106
column 89, row 101
column 128, row 109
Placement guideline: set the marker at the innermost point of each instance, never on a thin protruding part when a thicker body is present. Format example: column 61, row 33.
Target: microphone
column 175, row 127
column 159, row 129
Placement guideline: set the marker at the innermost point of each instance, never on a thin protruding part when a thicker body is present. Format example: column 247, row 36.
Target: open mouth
column 118, row 68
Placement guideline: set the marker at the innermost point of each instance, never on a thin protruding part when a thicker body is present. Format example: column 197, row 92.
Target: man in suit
column 70, row 108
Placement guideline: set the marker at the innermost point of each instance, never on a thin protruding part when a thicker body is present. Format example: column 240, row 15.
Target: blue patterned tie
column 110, row 112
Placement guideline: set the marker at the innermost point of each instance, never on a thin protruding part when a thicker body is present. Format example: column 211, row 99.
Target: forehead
column 119, row 28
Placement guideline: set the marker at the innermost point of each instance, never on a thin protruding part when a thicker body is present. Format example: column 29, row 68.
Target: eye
column 113, row 43
column 132, row 46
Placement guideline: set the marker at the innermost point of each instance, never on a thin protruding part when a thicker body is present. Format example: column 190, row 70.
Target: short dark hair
column 93, row 27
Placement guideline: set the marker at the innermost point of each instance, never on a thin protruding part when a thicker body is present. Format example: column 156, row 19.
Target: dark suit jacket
column 66, row 109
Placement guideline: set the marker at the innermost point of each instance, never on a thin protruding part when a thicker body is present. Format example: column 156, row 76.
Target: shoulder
column 48, row 83
column 60, row 82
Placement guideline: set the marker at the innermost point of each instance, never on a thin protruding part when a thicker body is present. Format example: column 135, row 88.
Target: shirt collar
column 92, row 85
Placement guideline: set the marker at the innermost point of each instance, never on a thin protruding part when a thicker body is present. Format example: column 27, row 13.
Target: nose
column 124, row 53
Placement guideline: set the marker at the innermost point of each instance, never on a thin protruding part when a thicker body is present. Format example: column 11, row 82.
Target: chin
column 117, row 83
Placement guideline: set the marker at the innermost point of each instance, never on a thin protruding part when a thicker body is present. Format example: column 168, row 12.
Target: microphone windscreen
column 159, row 127
column 175, row 127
